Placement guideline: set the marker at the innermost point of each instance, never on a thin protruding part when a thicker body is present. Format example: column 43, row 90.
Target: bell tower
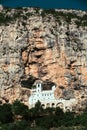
column 39, row 87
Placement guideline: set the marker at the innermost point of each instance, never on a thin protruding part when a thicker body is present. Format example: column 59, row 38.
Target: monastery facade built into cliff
column 47, row 98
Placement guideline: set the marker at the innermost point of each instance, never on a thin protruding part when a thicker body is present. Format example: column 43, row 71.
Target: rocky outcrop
column 46, row 45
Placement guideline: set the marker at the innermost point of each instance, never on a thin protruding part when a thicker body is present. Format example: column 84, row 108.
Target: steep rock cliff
column 46, row 45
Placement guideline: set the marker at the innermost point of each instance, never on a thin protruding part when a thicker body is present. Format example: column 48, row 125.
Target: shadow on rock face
column 28, row 83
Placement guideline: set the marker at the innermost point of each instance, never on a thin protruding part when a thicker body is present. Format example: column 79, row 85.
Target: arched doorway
column 53, row 104
column 47, row 105
column 68, row 109
column 43, row 105
column 60, row 104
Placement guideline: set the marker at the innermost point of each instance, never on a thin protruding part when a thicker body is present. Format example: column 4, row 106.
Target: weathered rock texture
column 50, row 46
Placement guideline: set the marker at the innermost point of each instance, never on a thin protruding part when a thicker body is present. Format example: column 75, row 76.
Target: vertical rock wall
column 40, row 47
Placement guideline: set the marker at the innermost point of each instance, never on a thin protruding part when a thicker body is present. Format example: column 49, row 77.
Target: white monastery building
column 47, row 98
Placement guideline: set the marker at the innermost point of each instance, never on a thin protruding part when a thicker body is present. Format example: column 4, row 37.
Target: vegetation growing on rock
column 9, row 15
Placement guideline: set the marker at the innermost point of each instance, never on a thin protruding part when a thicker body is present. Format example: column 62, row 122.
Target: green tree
column 6, row 115
column 59, row 116
column 49, row 111
column 19, row 125
column 38, row 108
column 69, row 119
column 19, row 108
